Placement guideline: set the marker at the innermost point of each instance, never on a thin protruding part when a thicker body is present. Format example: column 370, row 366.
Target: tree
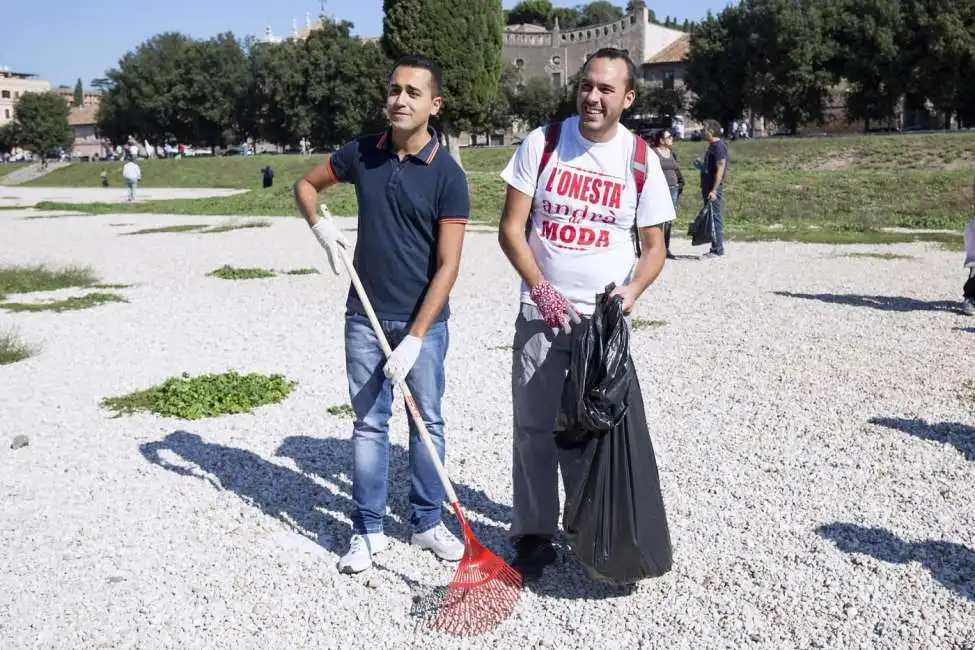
column 864, row 41
column 718, row 67
column 466, row 43
column 657, row 100
column 536, row 102
column 101, row 83
column 79, row 94
column 144, row 99
column 42, row 123
column 346, row 80
column 213, row 80
column 532, row 12
column 786, row 45
column 599, row 13
column 8, row 137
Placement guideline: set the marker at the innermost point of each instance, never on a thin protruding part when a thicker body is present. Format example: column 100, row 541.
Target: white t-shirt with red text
column 584, row 209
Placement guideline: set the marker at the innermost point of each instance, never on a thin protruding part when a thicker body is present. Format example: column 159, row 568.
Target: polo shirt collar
column 425, row 155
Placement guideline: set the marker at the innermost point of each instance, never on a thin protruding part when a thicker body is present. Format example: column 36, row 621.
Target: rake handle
column 407, row 395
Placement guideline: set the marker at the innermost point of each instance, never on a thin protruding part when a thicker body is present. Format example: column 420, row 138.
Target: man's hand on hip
column 402, row 359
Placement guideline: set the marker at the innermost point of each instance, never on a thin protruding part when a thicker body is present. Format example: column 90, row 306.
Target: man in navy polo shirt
column 413, row 206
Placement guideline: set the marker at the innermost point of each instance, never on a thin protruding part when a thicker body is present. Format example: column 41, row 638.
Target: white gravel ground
column 20, row 196
column 817, row 462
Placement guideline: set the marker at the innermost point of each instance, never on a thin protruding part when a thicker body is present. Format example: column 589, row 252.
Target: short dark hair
column 658, row 137
column 616, row 54
column 425, row 63
column 711, row 126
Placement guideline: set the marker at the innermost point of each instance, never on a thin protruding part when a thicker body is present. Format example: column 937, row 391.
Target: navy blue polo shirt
column 401, row 204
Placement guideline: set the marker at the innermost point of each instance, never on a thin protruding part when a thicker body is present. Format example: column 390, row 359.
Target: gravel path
column 819, row 495
column 16, row 196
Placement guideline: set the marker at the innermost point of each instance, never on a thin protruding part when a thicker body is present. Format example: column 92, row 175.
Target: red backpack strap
column 639, row 166
column 552, row 131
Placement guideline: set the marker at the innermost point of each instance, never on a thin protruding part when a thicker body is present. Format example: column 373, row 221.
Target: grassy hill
column 850, row 184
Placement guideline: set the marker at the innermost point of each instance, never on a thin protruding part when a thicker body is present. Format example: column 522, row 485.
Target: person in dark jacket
column 268, row 174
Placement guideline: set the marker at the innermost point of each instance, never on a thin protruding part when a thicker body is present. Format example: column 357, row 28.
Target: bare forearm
column 306, row 196
column 648, row 268
column 433, row 302
column 516, row 249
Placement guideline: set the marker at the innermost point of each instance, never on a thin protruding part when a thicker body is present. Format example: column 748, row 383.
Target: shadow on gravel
column 960, row 436
column 277, row 491
column 331, row 459
column 970, row 330
column 297, row 500
column 953, row 565
column 883, row 303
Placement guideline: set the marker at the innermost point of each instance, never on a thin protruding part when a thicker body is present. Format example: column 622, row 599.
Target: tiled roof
column 82, row 115
column 673, row 53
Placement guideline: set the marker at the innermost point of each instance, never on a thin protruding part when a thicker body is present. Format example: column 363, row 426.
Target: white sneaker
column 361, row 550
column 441, row 541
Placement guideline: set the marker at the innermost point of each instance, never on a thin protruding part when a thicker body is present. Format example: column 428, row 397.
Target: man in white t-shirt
column 579, row 210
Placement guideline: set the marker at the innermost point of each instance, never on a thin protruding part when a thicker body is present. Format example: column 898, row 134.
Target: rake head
column 482, row 594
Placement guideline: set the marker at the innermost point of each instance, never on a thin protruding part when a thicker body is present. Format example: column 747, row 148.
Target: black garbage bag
column 614, row 517
column 701, row 230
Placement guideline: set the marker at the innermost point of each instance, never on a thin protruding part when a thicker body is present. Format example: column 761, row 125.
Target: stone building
column 90, row 96
column 559, row 54
column 12, row 86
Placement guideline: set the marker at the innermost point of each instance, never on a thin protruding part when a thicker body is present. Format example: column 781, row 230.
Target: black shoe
column 532, row 555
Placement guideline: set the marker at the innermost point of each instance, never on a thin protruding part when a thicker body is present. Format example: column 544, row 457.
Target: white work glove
column 402, row 359
column 330, row 237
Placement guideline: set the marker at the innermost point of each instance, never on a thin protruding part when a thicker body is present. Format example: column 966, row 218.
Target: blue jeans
column 372, row 402
column 674, row 195
column 717, row 235
column 132, row 185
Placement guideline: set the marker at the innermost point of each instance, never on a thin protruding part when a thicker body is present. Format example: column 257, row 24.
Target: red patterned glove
column 550, row 302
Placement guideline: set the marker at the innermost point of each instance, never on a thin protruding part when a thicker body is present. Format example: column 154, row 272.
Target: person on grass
column 413, row 207
column 580, row 208
column 713, row 170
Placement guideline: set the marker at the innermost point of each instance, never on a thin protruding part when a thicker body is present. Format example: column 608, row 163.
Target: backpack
column 638, row 165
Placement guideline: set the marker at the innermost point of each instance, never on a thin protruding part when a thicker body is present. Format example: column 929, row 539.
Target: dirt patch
column 837, row 163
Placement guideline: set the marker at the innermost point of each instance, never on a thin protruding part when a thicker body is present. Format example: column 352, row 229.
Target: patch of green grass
column 67, row 304
column 12, row 349
column 341, row 410
column 190, row 227
column 307, row 271
column 838, row 236
column 28, row 279
column 10, row 168
column 203, row 396
column 227, row 227
column 227, row 272
column 642, row 323
column 881, row 256
column 202, row 228
column 968, row 394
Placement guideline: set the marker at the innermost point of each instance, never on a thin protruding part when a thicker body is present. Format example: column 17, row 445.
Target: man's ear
column 437, row 103
column 628, row 99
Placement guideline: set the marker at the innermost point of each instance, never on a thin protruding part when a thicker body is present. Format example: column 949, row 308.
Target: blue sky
column 62, row 40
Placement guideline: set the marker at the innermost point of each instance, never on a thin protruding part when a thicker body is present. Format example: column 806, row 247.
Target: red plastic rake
column 485, row 589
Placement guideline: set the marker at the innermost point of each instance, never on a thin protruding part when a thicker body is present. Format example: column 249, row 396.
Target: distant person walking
column 268, row 175
column 663, row 142
column 713, row 170
column 132, row 174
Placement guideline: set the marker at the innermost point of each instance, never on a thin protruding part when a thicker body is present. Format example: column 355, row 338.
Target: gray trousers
column 540, row 362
